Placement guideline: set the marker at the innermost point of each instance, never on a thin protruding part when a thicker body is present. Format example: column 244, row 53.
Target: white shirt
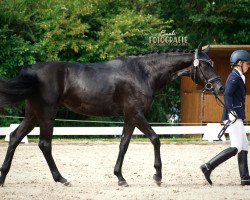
column 241, row 75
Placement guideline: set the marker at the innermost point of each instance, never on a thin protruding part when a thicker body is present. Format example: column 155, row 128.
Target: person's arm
column 230, row 89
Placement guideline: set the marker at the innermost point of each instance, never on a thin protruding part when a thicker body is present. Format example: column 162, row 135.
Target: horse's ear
column 199, row 48
column 198, row 52
column 207, row 49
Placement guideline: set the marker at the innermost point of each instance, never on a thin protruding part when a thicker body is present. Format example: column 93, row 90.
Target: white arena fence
column 210, row 131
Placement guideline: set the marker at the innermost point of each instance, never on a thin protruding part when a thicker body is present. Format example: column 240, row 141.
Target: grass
column 35, row 139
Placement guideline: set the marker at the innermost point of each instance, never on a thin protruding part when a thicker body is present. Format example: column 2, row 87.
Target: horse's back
column 84, row 88
column 90, row 89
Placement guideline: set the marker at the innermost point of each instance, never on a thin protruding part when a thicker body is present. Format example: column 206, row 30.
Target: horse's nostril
column 221, row 89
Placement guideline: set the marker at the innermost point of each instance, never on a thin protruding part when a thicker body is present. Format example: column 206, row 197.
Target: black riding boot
column 208, row 167
column 243, row 168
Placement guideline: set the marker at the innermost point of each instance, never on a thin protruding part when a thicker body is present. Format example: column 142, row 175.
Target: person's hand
column 232, row 116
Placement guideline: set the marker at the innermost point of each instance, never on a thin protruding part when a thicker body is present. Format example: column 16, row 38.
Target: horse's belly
column 93, row 107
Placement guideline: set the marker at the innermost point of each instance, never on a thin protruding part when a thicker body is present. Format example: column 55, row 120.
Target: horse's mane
column 143, row 53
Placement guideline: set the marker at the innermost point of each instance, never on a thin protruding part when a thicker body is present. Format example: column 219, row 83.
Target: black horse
column 125, row 86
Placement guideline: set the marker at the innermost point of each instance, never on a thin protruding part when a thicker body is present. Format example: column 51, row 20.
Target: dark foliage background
column 96, row 31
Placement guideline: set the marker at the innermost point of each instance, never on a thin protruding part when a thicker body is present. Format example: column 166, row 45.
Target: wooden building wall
column 197, row 107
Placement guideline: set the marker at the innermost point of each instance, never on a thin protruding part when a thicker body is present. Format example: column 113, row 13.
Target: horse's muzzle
column 215, row 85
column 219, row 88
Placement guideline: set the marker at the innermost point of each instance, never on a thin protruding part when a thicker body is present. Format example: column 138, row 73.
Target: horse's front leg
column 125, row 139
column 143, row 126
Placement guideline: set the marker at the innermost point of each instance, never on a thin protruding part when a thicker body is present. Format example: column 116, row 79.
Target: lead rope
column 209, row 87
column 229, row 123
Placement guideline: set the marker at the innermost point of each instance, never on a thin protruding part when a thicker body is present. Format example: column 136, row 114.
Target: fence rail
column 161, row 130
column 210, row 131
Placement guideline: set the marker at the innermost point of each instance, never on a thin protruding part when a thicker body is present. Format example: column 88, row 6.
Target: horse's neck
column 166, row 68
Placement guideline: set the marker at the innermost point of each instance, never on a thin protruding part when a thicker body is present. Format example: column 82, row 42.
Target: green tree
column 76, row 31
column 214, row 22
column 96, row 30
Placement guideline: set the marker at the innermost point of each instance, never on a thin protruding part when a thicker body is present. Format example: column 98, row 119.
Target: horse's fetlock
column 116, row 172
column 158, row 166
column 56, row 176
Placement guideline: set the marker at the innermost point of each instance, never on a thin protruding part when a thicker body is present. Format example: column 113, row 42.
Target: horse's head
column 203, row 72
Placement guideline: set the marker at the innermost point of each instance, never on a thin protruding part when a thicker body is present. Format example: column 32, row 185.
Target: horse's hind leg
column 28, row 123
column 126, row 136
column 46, row 123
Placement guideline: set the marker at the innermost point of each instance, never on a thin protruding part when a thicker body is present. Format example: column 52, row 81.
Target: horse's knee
column 44, row 146
column 156, row 140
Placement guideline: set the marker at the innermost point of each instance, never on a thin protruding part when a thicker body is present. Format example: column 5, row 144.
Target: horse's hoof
column 157, row 180
column 63, row 180
column 68, row 184
column 122, row 183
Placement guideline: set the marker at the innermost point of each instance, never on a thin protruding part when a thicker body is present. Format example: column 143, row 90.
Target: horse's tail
column 17, row 89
